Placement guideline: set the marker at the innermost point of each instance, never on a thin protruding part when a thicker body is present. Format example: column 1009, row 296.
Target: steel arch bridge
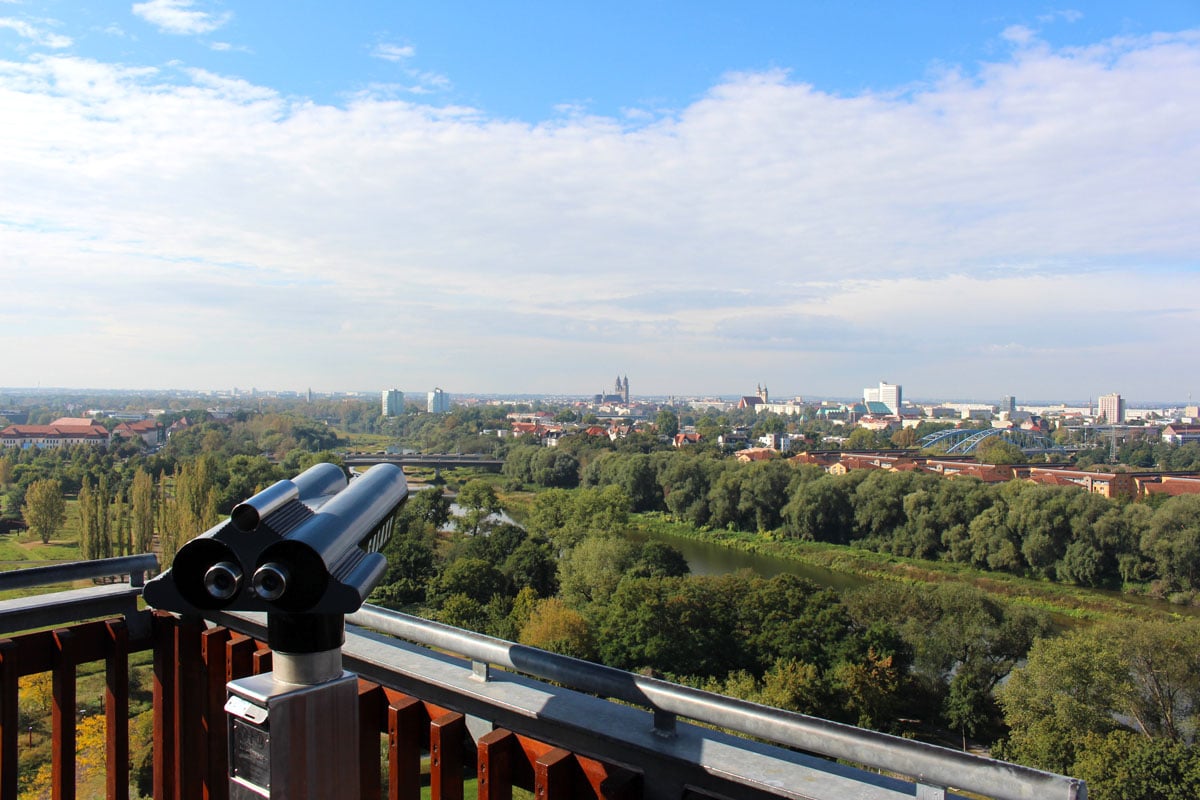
column 963, row 441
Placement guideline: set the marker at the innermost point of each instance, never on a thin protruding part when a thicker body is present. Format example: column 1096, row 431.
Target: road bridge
column 438, row 461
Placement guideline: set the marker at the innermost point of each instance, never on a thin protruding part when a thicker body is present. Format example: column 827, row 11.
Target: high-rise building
column 1112, row 408
column 392, row 402
column 1008, row 404
column 890, row 394
column 438, row 402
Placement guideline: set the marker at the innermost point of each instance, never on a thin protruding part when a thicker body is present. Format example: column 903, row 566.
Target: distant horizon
column 724, row 396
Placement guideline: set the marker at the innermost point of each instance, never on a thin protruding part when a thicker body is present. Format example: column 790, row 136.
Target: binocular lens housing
column 270, row 581
column 223, row 579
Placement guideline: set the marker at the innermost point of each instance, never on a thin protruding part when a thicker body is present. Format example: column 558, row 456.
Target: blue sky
column 968, row 199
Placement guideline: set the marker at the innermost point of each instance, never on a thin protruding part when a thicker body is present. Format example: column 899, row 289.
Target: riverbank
column 1070, row 603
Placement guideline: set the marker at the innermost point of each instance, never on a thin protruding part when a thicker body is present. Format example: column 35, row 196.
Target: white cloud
column 179, row 17
column 1000, row 229
column 37, row 35
column 420, row 82
column 1068, row 14
column 393, row 52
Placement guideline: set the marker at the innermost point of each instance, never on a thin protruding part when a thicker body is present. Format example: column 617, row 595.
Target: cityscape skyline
column 393, row 398
column 993, row 200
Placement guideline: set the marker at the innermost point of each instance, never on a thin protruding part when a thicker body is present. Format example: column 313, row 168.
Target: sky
column 968, row 199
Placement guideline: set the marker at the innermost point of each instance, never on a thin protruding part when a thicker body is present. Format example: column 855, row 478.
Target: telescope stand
column 293, row 732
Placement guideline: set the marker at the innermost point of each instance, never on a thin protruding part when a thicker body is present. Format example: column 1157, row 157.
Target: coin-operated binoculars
column 307, row 552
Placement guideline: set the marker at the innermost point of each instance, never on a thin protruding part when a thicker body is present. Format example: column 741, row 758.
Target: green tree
column 470, row 577
column 557, row 627
column 590, row 571
column 667, row 423
column 430, row 506
column 659, row 560
column 676, row 625
column 685, row 481
column 555, row 467
column 1172, row 542
column 532, row 565
column 1068, row 688
column 997, row 450
column 44, row 509
column 862, row 439
column 190, row 506
column 410, row 568
column 904, row 438
column 478, row 499
column 1122, row 765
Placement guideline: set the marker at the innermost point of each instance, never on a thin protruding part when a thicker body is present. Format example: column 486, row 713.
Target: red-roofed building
column 951, row 468
column 1166, row 485
column 1107, row 484
column 148, row 430
column 755, row 454
column 1179, row 433
column 22, row 436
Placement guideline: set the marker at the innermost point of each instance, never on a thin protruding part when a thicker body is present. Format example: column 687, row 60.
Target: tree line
column 1059, row 533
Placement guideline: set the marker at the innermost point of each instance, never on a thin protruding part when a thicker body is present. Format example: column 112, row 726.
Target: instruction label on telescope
column 250, row 740
column 250, row 759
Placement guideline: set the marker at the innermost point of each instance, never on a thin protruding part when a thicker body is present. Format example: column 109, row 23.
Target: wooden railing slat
column 116, row 711
column 446, row 756
column 213, row 651
column 554, row 775
column 9, row 684
column 407, row 728
column 370, row 725
column 495, row 770
column 62, row 753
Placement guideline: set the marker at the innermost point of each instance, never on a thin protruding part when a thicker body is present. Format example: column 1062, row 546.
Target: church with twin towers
column 619, row 394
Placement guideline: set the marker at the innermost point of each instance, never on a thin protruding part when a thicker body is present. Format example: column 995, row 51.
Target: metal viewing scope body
column 309, row 545
column 306, row 551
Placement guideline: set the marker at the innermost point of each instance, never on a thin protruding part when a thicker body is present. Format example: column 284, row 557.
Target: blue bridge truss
column 964, row 441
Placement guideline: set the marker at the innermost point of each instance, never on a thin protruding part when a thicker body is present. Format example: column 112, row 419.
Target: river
column 708, row 558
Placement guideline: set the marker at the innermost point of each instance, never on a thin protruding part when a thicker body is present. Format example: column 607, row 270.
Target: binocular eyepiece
column 306, row 545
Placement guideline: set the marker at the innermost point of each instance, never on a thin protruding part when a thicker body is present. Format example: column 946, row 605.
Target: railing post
column 553, row 775
column 166, row 730
column 239, row 658
column 216, row 772
column 446, row 756
column 370, row 721
column 406, row 717
column 116, row 710
column 9, row 685
column 189, row 699
column 62, row 753
column 495, row 764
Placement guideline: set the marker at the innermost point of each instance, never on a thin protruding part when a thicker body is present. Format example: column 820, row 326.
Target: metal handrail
column 133, row 566
column 925, row 763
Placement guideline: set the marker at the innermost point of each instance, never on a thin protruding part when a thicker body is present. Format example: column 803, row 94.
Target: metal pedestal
column 294, row 740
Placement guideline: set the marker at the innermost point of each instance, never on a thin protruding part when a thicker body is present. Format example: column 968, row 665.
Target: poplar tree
column 141, row 511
